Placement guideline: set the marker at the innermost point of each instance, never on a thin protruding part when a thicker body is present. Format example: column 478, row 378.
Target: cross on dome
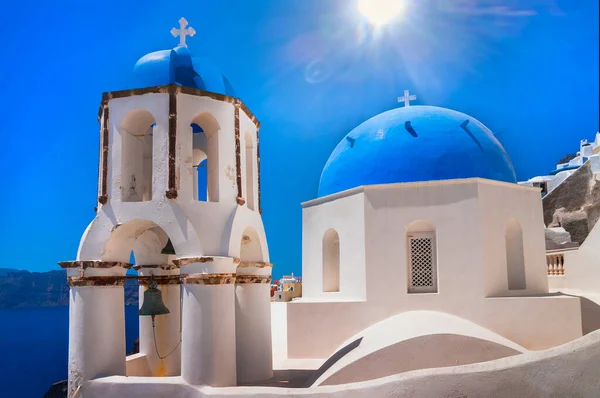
column 182, row 32
column 407, row 98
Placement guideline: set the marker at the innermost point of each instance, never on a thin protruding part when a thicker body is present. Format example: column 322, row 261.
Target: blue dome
column 179, row 67
column 415, row 143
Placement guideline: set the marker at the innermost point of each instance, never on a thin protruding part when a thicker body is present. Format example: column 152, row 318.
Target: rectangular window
column 422, row 267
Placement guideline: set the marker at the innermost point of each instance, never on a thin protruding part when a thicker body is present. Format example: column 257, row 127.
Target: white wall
column 452, row 210
column 498, row 204
column 558, row 179
column 416, row 340
column 582, row 266
column 470, row 219
column 346, row 216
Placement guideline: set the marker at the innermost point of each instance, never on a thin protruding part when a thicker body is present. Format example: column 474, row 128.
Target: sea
column 34, row 348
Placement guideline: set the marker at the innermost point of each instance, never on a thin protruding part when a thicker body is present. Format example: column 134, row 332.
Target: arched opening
column 147, row 246
column 331, row 261
column 421, row 248
column 251, row 249
column 132, row 324
column 205, row 153
column 200, row 163
column 515, row 258
column 136, row 156
column 250, row 156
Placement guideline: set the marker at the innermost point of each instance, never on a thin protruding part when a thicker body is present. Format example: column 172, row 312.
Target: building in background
column 288, row 288
column 567, row 166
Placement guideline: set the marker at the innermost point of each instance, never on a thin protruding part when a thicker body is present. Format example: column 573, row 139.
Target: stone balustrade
column 555, row 263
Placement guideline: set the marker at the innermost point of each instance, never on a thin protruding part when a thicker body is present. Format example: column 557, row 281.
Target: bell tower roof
column 179, row 66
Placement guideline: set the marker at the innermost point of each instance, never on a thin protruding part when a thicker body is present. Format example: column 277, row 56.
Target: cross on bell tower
column 407, row 98
column 182, row 32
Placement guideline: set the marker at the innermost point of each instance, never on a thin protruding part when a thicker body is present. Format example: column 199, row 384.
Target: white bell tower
column 178, row 164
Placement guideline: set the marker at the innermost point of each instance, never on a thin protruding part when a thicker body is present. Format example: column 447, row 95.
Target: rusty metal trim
column 89, row 281
column 160, row 279
column 201, row 93
column 258, row 279
column 172, row 183
column 258, row 169
column 138, row 91
column 180, row 262
column 165, row 267
column 209, row 279
column 256, row 264
column 184, row 90
column 103, row 197
column 249, row 114
column 238, row 161
column 93, row 264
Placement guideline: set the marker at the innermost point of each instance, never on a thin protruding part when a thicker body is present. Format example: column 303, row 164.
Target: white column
column 253, row 328
column 167, row 327
column 208, row 335
column 195, row 182
column 96, row 323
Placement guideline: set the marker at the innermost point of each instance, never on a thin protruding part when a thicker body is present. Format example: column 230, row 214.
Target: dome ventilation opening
column 464, row 126
column 410, row 128
column 351, row 141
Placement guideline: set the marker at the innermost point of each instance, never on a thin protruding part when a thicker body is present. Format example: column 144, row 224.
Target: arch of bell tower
column 169, row 112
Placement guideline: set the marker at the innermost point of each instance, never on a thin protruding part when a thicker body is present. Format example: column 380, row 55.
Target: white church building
column 411, row 259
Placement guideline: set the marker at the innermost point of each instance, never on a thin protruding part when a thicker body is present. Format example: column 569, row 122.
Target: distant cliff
column 575, row 203
column 43, row 289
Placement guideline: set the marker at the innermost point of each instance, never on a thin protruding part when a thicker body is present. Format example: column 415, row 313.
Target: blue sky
column 311, row 70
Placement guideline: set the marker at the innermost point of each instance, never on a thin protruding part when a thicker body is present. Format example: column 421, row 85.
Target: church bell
column 153, row 304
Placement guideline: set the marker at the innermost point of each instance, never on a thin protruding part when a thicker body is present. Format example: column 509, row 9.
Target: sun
column 380, row 12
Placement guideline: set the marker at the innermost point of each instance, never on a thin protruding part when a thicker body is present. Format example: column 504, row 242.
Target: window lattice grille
column 422, row 264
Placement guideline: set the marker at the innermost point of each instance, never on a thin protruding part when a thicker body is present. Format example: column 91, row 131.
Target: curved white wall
column 416, row 340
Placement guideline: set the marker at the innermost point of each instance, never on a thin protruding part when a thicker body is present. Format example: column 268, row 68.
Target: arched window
column 331, row 261
column 136, row 156
column 515, row 259
column 205, row 153
column 249, row 170
column 199, row 163
column 421, row 257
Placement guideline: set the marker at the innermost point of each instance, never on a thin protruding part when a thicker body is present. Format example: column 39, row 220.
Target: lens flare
column 380, row 12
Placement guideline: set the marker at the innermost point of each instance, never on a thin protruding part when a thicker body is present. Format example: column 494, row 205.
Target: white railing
column 555, row 261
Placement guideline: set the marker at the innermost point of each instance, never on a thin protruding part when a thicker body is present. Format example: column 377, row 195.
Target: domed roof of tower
column 415, row 143
column 179, row 66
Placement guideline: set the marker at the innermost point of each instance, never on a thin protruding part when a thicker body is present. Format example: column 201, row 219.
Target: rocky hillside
column 43, row 289
column 575, row 204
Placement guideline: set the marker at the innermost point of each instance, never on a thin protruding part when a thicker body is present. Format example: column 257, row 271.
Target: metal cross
column 182, row 32
column 407, row 98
